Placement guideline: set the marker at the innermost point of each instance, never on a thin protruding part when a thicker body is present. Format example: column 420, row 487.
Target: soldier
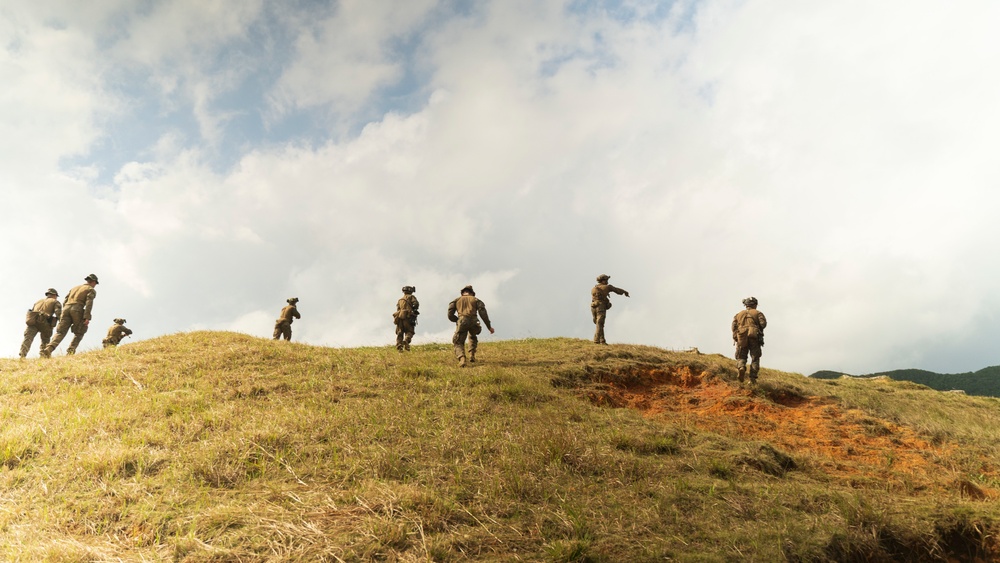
column 465, row 312
column 405, row 318
column 77, row 307
column 283, row 326
column 116, row 333
column 748, row 336
column 41, row 318
column 600, row 303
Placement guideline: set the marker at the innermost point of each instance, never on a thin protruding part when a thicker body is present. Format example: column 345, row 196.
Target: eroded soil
column 846, row 444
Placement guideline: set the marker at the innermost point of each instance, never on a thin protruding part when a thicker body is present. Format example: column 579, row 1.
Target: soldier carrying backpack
column 748, row 336
column 40, row 320
column 405, row 318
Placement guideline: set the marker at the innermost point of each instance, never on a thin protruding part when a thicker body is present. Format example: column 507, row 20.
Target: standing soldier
column 405, row 317
column 283, row 326
column 465, row 312
column 600, row 303
column 41, row 318
column 77, row 307
column 748, row 335
column 116, row 333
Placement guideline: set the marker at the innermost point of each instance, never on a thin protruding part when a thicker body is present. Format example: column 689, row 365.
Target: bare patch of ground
column 847, row 444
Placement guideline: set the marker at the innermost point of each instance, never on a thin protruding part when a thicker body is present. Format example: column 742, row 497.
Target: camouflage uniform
column 76, row 314
column 41, row 318
column 748, row 335
column 405, row 318
column 465, row 313
column 283, row 325
column 600, row 303
column 116, row 333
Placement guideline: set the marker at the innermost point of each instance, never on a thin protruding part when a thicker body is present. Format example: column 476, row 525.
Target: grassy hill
column 223, row 447
column 985, row 382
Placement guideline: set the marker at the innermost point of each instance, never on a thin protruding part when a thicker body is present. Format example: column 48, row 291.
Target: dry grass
column 223, row 447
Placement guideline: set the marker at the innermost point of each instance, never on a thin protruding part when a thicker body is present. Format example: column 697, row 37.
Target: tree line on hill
column 985, row 382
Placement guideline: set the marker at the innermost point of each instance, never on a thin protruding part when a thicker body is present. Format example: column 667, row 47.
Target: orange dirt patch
column 847, row 444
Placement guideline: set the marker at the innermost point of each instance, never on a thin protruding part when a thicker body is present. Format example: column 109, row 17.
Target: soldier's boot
column 77, row 338
column 461, row 362
column 472, row 358
column 741, row 369
column 45, row 352
column 406, row 346
column 754, row 369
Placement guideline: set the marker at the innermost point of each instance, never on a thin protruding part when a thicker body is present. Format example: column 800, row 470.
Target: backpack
column 748, row 326
column 31, row 318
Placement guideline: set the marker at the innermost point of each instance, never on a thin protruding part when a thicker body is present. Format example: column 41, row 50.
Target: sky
column 208, row 159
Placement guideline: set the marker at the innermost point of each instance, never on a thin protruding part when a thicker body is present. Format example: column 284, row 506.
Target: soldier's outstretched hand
column 626, row 294
column 491, row 330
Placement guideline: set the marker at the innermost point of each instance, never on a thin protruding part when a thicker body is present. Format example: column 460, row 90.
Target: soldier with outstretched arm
column 600, row 302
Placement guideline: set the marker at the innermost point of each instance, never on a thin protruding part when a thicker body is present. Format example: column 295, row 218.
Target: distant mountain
column 985, row 382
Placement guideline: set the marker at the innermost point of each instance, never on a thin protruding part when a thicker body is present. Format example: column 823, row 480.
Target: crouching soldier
column 116, row 333
column 283, row 326
column 41, row 319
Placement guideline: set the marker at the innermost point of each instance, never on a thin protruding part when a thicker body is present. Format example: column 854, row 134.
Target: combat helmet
column 292, row 300
column 409, row 289
column 750, row 302
column 468, row 289
column 91, row 278
column 51, row 291
column 119, row 321
column 603, row 278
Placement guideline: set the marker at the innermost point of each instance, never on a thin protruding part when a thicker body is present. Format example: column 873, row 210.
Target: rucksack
column 748, row 325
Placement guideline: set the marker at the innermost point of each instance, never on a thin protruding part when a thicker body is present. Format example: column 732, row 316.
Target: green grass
column 223, row 447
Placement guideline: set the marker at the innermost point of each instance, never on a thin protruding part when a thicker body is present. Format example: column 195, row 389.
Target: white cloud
column 343, row 59
column 829, row 159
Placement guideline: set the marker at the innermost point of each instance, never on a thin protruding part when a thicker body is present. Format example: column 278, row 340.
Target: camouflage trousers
column 744, row 348
column 466, row 327
column 71, row 320
column 282, row 329
column 405, row 329
column 599, row 312
column 42, row 328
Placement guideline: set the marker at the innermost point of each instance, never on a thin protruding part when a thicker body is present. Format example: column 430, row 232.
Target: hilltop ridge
column 213, row 446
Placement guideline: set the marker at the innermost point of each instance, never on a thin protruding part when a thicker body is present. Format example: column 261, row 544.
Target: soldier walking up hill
column 77, row 309
column 283, row 325
column 41, row 319
column 405, row 317
column 600, row 303
column 748, row 335
column 465, row 313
